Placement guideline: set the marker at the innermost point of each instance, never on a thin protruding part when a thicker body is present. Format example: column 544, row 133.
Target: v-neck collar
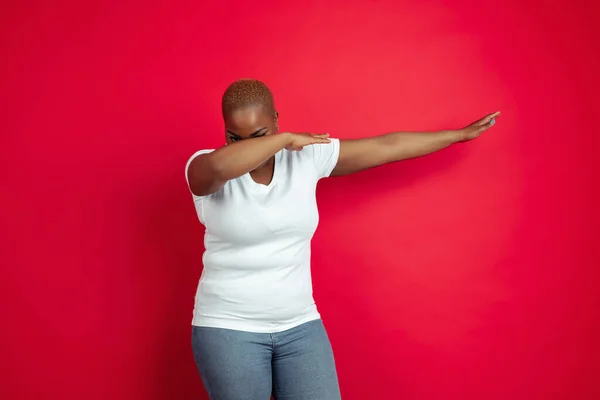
column 276, row 170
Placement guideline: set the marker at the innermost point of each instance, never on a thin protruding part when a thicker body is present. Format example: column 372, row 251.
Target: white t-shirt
column 256, row 275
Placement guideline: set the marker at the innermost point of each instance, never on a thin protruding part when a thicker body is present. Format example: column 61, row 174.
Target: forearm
column 237, row 159
column 360, row 154
column 399, row 146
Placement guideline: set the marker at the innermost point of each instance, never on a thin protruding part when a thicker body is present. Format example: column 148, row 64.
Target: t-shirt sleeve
column 324, row 157
column 198, row 200
column 187, row 166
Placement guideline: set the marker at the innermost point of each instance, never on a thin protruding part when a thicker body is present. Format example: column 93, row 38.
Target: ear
column 276, row 119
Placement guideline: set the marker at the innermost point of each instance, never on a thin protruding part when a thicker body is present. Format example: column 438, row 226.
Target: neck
column 268, row 165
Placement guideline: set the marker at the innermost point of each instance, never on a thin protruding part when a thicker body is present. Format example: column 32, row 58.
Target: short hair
column 245, row 93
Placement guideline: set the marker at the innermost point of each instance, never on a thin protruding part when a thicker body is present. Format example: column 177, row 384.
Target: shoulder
column 323, row 157
column 196, row 154
column 189, row 161
column 316, row 152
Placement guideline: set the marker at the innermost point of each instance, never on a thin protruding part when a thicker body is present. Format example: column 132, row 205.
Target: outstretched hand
column 475, row 129
column 298, row 140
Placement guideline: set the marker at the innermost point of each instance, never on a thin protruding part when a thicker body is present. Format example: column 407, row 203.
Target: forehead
column 247, row 120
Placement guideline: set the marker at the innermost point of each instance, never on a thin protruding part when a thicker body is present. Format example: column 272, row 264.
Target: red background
column 467, row 274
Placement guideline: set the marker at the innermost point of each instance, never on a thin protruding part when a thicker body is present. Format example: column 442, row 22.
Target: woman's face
column 248, row 123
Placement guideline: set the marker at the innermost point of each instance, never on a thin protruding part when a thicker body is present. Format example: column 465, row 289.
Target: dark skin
column 252, row 141
column 253, row 123
column 251, row 144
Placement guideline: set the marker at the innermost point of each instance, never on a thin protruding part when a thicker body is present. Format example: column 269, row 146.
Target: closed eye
column 259, row 133
column 237, row 138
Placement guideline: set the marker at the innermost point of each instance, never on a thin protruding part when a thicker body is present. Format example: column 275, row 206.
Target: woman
column 256, row 330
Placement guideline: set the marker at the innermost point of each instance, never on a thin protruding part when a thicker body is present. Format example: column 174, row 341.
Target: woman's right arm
column 208, row 173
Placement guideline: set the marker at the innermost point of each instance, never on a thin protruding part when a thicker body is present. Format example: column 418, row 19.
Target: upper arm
column 200, row 180
column 360, row 154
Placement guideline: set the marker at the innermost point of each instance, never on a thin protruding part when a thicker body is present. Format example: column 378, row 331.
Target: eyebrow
column 253, row 135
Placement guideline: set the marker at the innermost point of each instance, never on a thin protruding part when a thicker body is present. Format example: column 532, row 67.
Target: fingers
column 318, row 135
column 316, row 141
column 319, row 138
column 320, row 141
column 486, row 123
column 305, row 139
column 489, row 119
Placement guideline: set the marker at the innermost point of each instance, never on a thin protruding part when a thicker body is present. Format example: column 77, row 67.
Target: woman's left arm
column 360, row 154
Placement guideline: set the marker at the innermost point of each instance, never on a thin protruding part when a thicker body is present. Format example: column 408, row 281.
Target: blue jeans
column 296, row 364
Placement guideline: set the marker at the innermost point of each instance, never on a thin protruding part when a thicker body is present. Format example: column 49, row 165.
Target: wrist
column 286, row 138
column 456, row 135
